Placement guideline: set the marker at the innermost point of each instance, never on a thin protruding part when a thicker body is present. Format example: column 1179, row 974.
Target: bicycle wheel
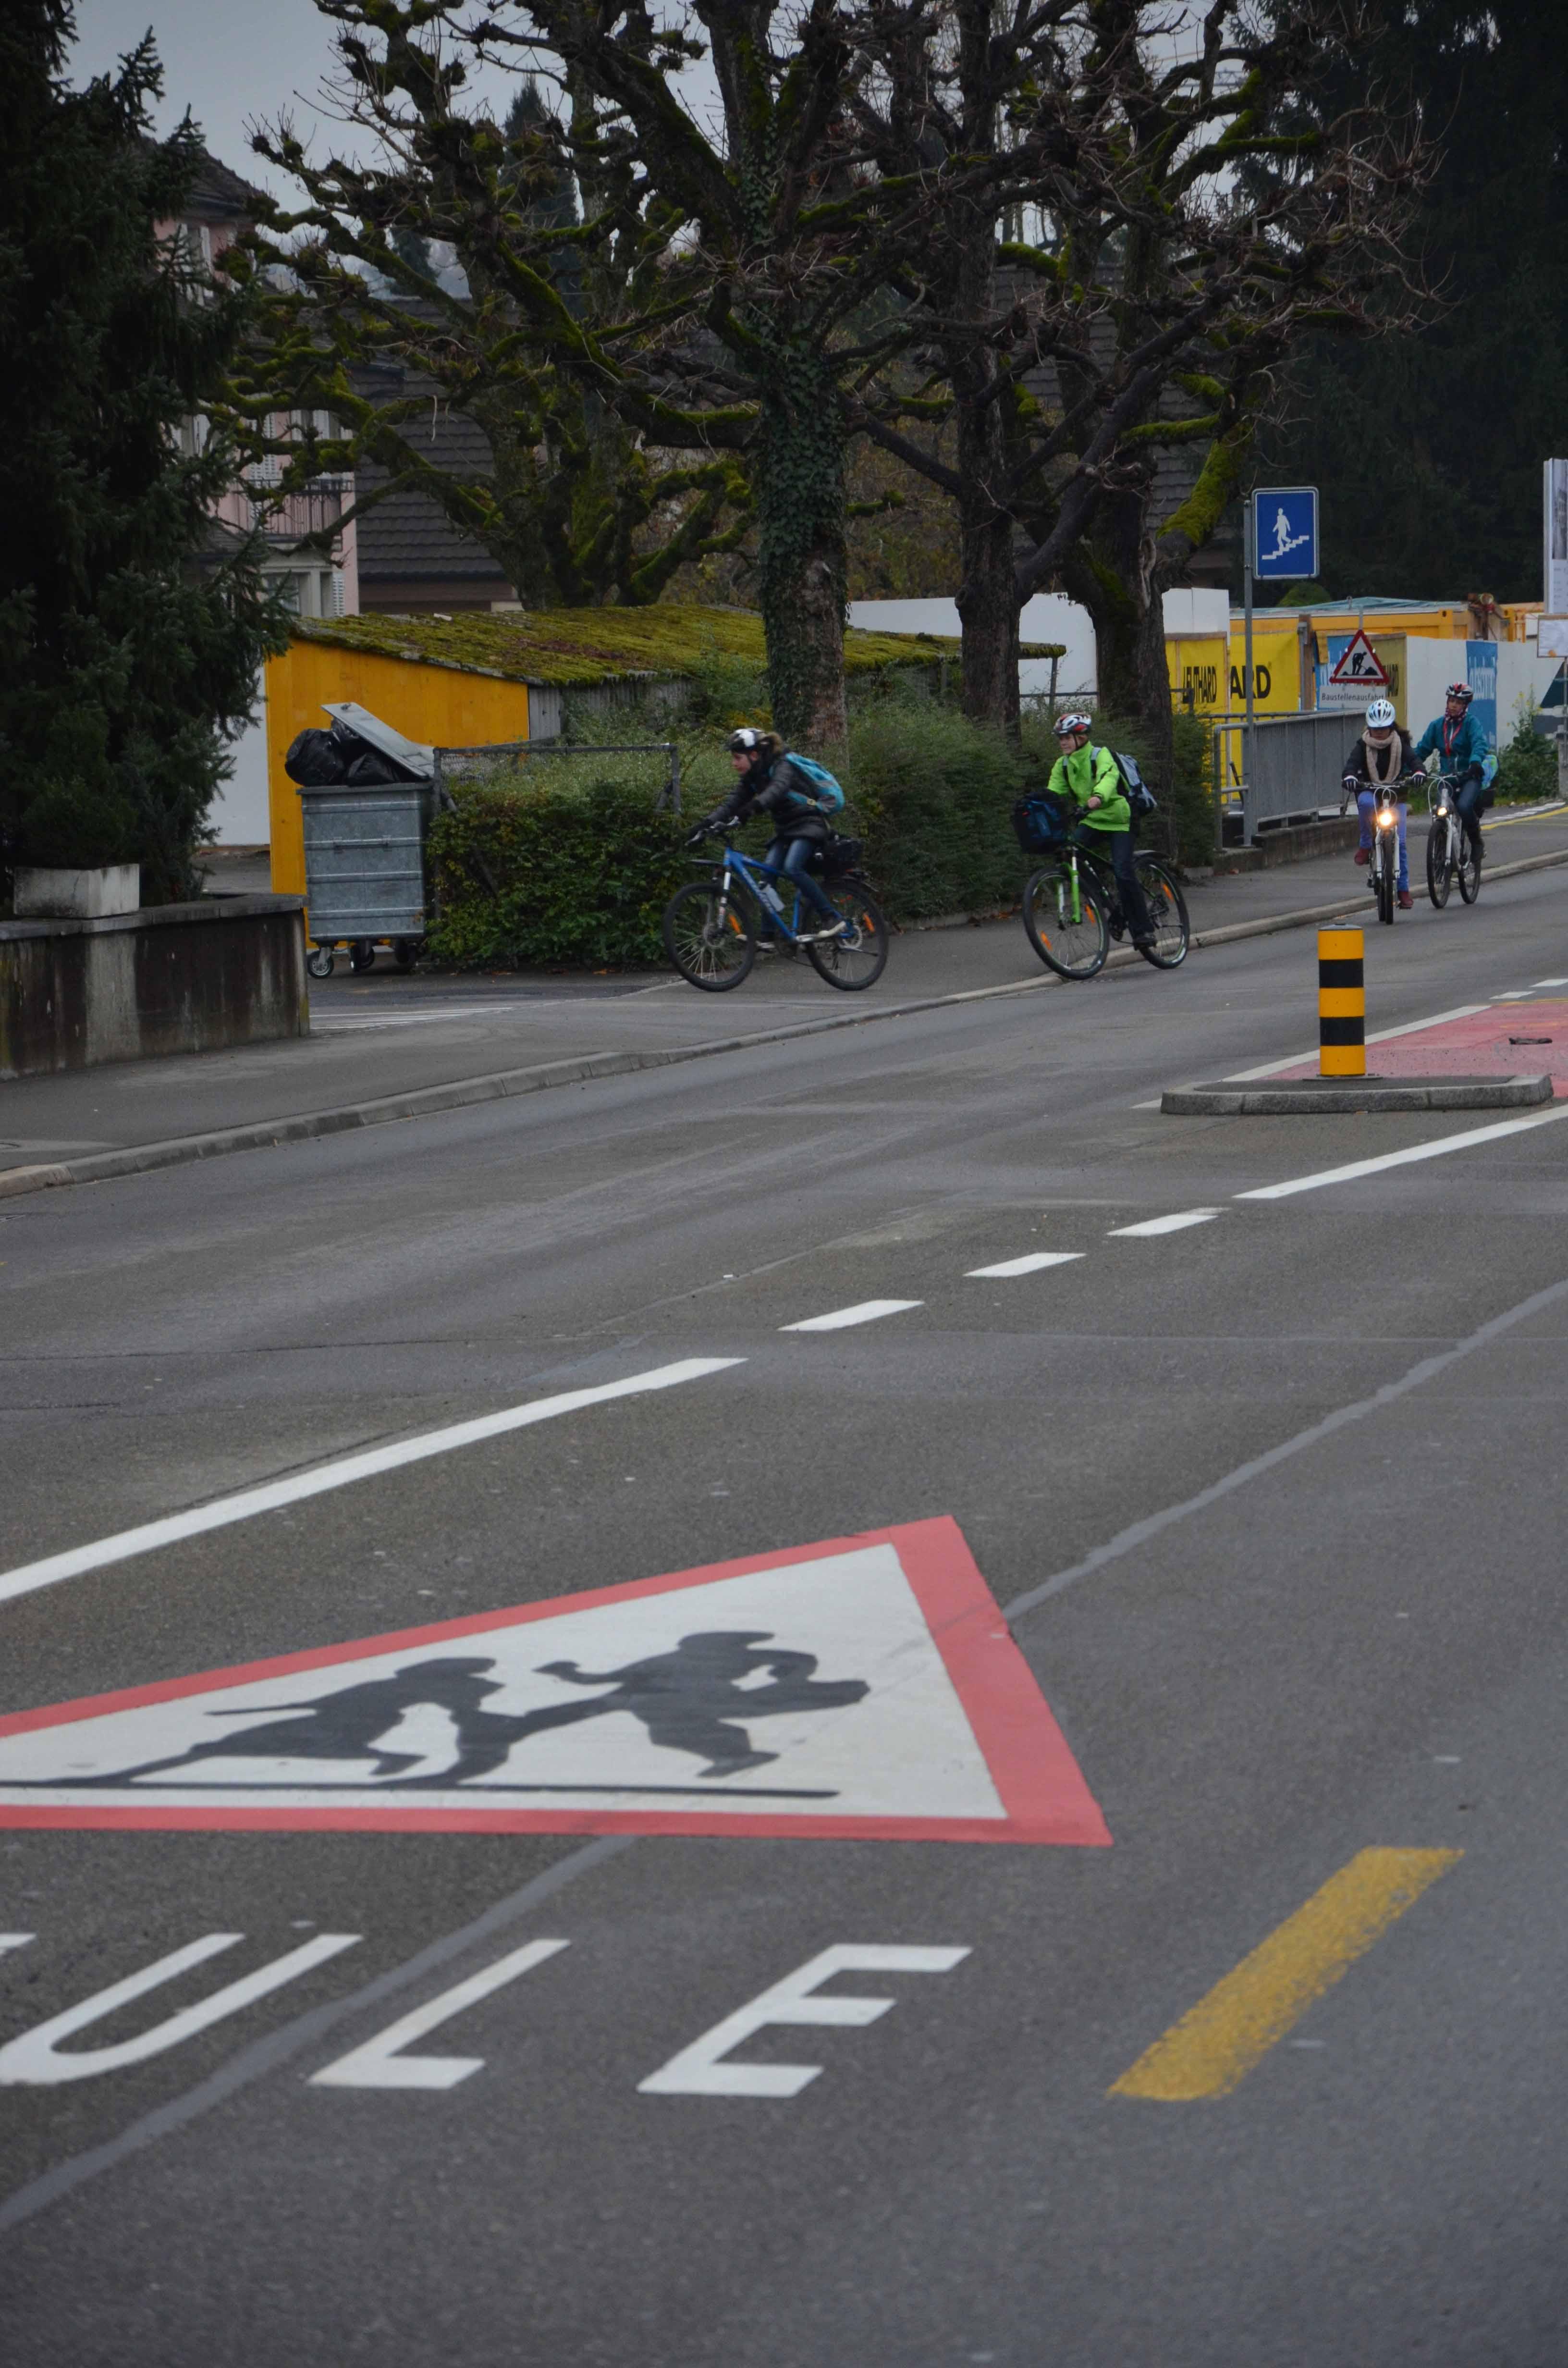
column 857, row 959
column 1467, row 870
column 1383, row 857
column 708, row 936
column 1439, row 863
column 1067, row 926
column 1167, row 911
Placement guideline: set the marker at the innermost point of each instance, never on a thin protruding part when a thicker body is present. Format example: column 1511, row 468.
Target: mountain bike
column 1072, row 911
column 1449, row 855
column 711, row 926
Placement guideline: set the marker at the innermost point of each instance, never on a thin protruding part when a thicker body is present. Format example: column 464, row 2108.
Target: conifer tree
column 130, row 634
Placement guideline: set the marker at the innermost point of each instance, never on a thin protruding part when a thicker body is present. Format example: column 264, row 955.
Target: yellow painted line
column 1216, row 2043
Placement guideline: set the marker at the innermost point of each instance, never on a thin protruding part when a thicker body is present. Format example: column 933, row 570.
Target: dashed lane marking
column 1150, row 1226
column 865, row 1311
column 1358, row 1167
column 1216, row 2043
column 1551, row 981
column 1030, row 1265
column 49, row 1572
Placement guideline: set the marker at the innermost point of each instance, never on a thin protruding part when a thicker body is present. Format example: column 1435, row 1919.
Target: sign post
column 1246, row 662
column 1281, row 544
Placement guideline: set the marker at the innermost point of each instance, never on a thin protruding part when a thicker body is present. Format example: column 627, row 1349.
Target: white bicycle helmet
column 1381, row 715
column 1072, row 722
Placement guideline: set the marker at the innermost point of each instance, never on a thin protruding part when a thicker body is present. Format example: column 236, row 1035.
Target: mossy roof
column 570, row 647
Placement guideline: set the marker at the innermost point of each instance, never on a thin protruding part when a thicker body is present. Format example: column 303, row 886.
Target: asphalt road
column 1272, row 1499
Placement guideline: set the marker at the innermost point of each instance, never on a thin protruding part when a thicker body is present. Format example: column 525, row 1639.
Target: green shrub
column 1527, row 767
column 931, row 794
column 566, row 862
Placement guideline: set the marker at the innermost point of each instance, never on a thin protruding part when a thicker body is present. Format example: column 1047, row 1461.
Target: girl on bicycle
column 1090, row 779
column 767, row 782
column 1383, row 753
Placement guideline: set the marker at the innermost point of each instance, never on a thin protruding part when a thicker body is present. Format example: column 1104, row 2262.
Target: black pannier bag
column 842, row 855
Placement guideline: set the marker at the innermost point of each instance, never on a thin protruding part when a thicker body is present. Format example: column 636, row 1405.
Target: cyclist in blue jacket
column 1462, row 750
column 767, row 782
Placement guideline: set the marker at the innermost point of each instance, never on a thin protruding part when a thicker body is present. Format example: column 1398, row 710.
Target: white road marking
column 1030, row 1265
column 1404, row 1158
column 32, row 2061
column 1377, row 1036
column 1173, row 1224
column 14, row 1941
column 699, row 2070
column 379, row 2063
column 1514, row 994
column 224, row 1510
column 866, row 1311
column 1551, row 981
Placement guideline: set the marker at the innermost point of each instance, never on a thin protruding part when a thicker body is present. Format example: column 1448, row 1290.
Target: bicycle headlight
column 1443, row 814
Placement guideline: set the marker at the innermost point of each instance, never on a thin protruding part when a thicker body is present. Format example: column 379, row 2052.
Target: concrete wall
column 177, row 978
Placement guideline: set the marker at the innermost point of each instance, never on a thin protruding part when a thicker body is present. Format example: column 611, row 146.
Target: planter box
column 54, row 896
column 134, row 987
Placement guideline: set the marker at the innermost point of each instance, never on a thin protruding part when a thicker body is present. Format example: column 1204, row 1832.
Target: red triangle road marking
column 864, row 1687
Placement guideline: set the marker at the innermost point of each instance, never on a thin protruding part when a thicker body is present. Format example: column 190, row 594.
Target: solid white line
column 1378, row 1036
column 218, row 1515
column 866, row 1311
column 1150, row 1225
column 1404, row 1158
column 1030, row 1265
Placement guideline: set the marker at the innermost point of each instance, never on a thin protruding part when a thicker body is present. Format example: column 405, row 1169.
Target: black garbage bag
column 317, row 760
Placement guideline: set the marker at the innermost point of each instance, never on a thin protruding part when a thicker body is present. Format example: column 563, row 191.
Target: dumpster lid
column 415, row 755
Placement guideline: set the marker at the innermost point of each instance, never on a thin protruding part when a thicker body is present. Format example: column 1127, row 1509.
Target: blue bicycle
column 711, row 926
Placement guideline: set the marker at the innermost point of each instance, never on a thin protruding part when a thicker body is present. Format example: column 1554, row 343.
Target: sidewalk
column 385, row 1036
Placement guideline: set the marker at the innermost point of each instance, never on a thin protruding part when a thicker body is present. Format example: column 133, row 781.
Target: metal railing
column 1297, row 764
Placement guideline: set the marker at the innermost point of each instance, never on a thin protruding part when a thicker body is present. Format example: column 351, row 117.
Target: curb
column 1316, row 1097
column 461, row 1093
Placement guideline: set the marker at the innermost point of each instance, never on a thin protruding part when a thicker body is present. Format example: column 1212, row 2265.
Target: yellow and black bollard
column 1342, row 1004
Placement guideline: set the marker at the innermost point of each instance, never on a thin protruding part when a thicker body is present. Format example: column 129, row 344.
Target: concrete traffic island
column 1342, row 1097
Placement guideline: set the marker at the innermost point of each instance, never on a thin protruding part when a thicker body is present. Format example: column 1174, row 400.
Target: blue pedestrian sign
column 1285, row 531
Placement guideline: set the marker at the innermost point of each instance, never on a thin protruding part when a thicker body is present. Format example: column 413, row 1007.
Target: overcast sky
column 230, row 62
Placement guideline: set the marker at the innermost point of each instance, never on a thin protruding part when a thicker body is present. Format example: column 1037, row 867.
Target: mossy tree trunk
column 801, row 563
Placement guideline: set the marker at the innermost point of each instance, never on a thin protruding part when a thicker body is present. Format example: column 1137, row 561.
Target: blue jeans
column 1366, row 800
column 793, row 857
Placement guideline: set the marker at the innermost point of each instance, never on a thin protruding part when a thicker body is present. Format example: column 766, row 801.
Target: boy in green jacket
column 1090, row 778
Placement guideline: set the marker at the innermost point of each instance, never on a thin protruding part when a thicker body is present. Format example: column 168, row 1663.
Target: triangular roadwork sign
column 1358, row 667
column 864, row 1688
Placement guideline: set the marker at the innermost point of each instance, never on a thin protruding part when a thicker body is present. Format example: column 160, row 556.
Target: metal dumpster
column 365, row 851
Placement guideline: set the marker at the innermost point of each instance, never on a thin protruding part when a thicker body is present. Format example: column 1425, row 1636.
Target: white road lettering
column 701, row 2069
column 349, row 1468
column 33, row 2061
column 1030, row 1265
column 380, row 2063
column 1172, row 1225
column 1446, row 1143
column 866, row 1311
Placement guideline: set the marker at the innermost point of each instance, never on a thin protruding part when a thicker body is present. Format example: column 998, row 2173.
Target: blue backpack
column 824, row 788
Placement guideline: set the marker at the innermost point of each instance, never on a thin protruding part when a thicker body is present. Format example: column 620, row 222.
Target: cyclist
column 1091, row 779
column 1383, row 753
column 1461, row 749
column 767, row 782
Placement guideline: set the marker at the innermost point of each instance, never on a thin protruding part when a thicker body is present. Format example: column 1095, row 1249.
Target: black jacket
column 782, row 794
column 1357, row 769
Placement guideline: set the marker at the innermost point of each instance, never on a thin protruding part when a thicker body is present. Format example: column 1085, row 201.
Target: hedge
column 569, row 862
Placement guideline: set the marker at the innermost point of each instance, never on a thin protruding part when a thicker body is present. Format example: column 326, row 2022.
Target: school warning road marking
column 865, row 1311
column 1446, row 1142
column 1216, row 2043
column 1030, row 1265
column 1152, row 1226
column 30, row 1575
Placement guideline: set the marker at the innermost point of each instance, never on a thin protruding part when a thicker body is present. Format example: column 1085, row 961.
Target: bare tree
column 1192, row 222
